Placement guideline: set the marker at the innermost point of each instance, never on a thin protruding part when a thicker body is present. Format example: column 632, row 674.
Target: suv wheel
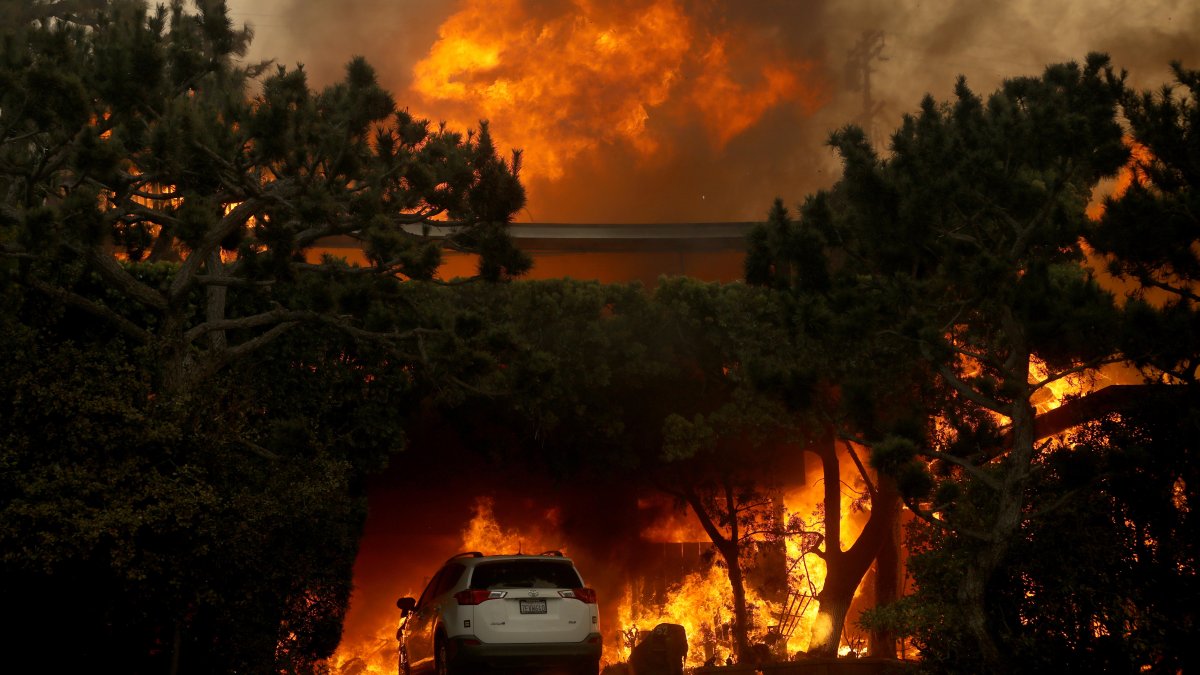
column 592, row 668
column 441, row 660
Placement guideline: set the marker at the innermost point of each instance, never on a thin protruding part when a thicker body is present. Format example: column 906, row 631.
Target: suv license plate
column 533, row 606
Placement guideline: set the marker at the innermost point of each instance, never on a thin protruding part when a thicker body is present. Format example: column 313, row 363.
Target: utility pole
column 869, row 48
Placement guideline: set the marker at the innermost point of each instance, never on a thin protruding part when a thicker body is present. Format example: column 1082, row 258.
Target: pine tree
column 192, row 398
column 137, row 143
column 959, row 293
column 1151, row 232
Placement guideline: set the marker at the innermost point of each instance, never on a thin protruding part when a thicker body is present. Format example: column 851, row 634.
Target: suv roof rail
column 468, row 554
column 555, row 554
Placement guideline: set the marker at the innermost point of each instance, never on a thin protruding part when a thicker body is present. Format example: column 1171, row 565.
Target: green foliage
column 930, row 618
column 740, row 411
column 1094, row 583
column 1150, row 232
column 660, row 389
column 137, row 129
column 892, row 453
column 141, row 504
column 784, row 254
column 954, row 264
column 963, row 243
column 192, row 400
column 570, row 368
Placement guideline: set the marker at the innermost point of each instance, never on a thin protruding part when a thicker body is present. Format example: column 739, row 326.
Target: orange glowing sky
column 693, row 110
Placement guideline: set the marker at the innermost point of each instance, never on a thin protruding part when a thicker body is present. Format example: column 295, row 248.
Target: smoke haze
column 698, row 110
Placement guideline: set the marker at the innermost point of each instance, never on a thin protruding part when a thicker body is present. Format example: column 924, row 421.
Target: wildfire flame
column 669, row 524
column 1139, row 157
column 376, row 653
column 1055, row 393
column 808, row 569
column 563, row 79
column 701, row 602
column 483, row 533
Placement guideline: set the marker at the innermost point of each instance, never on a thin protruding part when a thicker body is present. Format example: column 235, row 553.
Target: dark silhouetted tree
column 957, row 257
column 1151, row 232
column 855, row 387
column 192, row 397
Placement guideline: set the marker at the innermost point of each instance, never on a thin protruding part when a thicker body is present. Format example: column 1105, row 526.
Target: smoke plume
column 697, row 110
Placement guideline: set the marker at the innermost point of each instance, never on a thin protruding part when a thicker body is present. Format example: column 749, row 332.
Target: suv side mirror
column 406, row 605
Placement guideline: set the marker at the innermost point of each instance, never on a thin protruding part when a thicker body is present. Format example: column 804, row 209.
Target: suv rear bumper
column 470, row 651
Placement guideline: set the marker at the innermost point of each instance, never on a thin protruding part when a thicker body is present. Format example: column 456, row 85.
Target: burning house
column 630, row 111
column 665, row 108
column 648, row 555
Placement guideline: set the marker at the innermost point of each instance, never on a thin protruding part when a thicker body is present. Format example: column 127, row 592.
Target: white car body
column 485, row 612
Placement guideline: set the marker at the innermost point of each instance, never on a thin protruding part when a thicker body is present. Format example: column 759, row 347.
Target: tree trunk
column 737, row 583
column 845, row 569
column 972, row 596
column 176, row 646
column 730, row 549
column 831, row 619
column 887, row 567
column 1005, row 527
column 215, row 301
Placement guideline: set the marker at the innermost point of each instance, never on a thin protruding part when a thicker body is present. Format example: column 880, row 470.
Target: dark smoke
column 927, row 44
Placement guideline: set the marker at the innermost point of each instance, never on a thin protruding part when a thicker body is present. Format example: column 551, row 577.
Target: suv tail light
column 475, row 596
column 584, row 595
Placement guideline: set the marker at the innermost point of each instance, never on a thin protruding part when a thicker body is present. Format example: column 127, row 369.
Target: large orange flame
column 565, row 78
column 484, row 534
column 700, row 600
column 376, row 653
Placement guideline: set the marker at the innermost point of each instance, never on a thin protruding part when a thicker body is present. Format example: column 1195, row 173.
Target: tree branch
column 967, row 392
column 237, row 217
column 927, row 516
column 254, row 321
column 1075, row 370
column 1182, row 291
column 970, row 468
column 1055, row 505
column 980, row 357
column 222, row 358
column 210, row 280
column 94, row 308
column 862, row 470
column 119, row 277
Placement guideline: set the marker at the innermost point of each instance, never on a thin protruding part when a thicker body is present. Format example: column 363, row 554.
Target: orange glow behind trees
column 1139, row 157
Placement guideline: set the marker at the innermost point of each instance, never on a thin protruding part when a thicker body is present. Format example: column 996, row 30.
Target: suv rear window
column 525, row 574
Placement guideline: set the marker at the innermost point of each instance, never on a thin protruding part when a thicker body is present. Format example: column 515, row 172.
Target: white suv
column 483, row 612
